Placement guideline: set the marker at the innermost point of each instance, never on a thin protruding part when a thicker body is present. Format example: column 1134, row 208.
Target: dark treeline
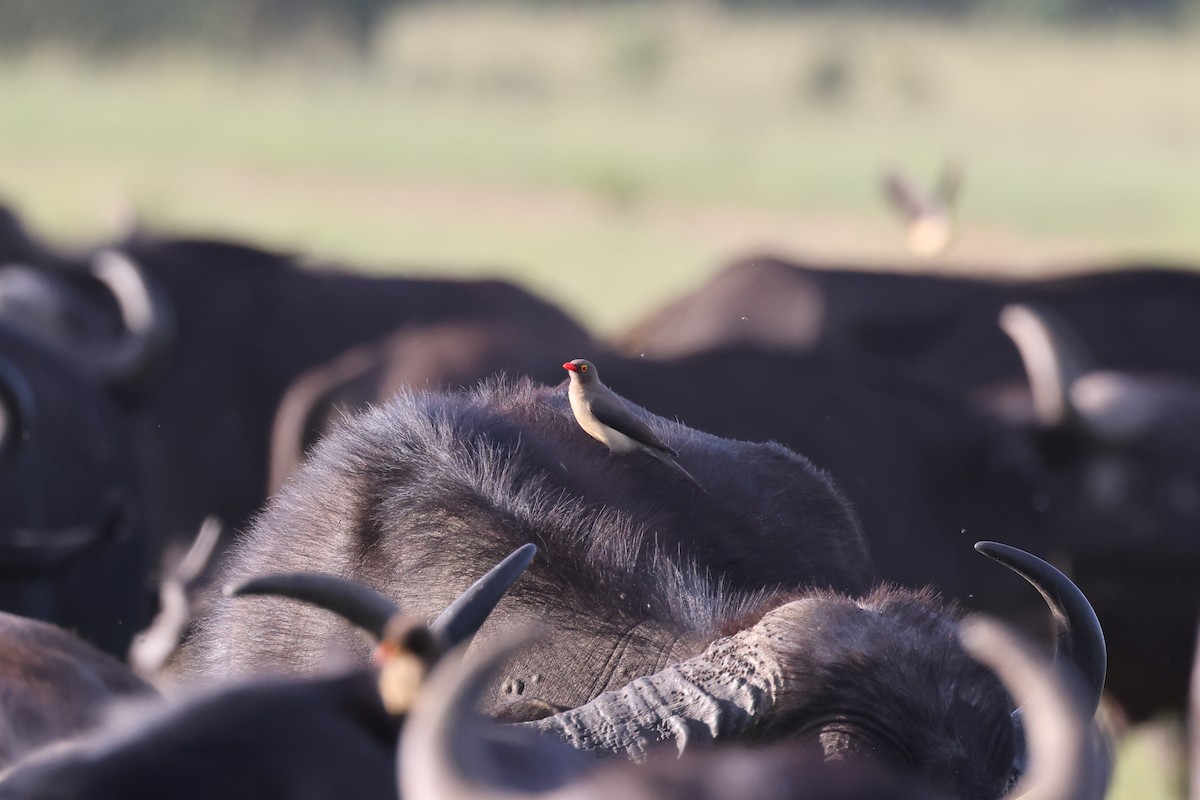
column 114, row 26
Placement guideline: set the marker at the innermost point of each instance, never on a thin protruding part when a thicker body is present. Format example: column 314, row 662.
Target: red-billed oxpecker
column 606, row 418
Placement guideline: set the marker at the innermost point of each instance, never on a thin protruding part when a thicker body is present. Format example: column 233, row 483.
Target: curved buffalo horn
column 1080, row 640
column 450, row 750
column 356, row 603
column 368, row 609
column 1053, row 356
column 462, row 618
column 146, row 313
column 17, row 407
column 1066, row 761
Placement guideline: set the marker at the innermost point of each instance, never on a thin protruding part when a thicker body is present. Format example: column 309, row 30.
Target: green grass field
column 609, row 157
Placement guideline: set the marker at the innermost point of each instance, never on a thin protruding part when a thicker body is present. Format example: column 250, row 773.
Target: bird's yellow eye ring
column 583, row 367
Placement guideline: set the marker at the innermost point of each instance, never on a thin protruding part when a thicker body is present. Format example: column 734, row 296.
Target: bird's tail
column 666, row 459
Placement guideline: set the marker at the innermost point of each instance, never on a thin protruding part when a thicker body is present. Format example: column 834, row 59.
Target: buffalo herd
column 921, row 529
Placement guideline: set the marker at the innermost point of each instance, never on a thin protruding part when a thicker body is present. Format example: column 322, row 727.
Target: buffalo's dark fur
column 916, row 461
column 53, row 686
column 444, row 355
column 413, row 497
column 896, row 653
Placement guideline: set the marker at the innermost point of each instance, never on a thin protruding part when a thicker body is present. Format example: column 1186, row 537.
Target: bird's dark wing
column 618, row 417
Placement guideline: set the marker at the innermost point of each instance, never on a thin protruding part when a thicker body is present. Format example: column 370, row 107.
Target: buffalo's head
column 883, row 677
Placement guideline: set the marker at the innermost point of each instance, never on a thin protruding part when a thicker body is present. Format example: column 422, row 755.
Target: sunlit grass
column 1151, row 764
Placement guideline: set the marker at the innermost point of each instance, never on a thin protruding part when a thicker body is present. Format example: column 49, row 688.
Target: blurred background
column 579, row 146
column 610, row 155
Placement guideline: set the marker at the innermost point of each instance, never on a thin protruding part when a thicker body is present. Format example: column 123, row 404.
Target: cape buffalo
column 72, row 527
column 745, row 598
column 1134, row 316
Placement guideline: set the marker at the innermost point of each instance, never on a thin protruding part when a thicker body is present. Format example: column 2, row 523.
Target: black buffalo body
column 53, row 686
column 1133, row 316
column 277, row 740
column 72, row 524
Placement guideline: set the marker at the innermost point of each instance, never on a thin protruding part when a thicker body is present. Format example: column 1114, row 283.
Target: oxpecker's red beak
column 385, row 652
column 571, row 367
